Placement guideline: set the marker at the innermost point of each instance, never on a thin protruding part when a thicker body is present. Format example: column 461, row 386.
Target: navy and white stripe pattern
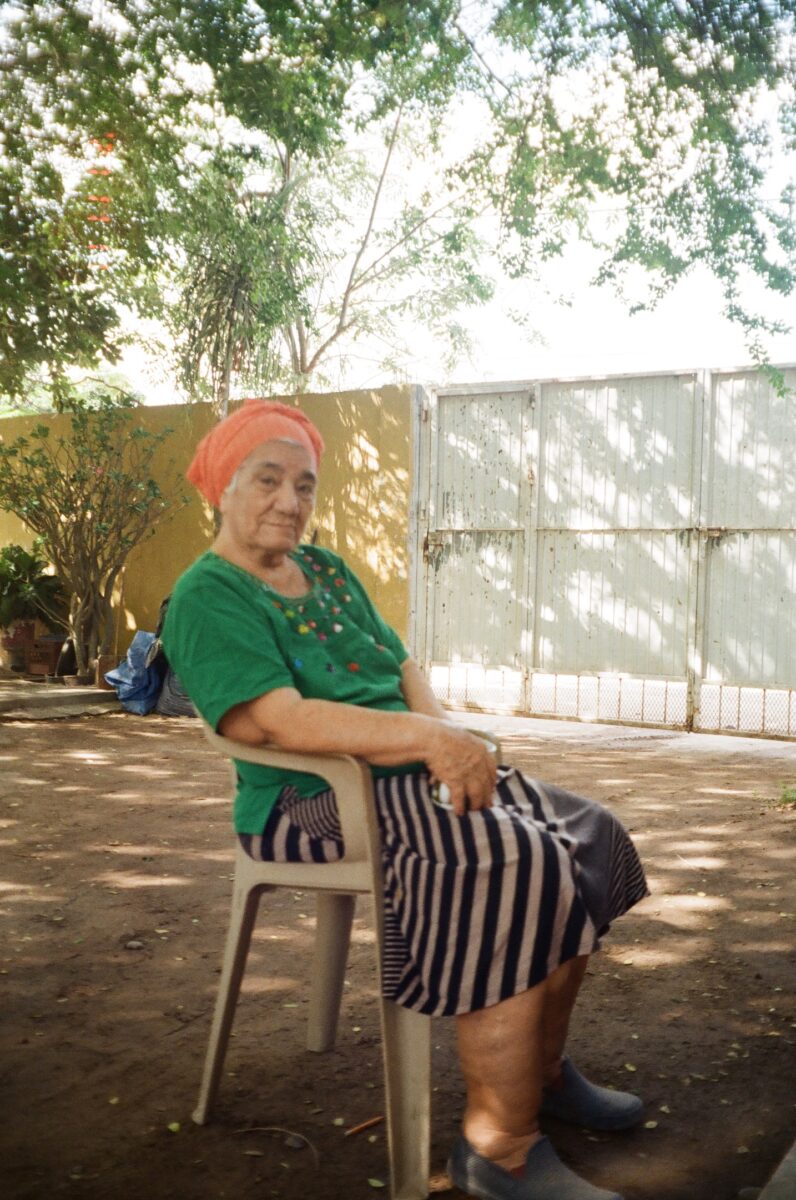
column 477, row 908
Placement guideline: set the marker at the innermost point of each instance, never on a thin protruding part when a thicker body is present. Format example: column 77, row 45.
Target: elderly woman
column 493, row 901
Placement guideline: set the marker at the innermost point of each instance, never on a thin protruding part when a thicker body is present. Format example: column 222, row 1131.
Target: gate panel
column 614, row 602
column 750, row 557
column 476, row 547
column 617, row 453
column 616, row 559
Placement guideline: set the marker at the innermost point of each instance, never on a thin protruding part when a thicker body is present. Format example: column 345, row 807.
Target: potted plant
column 28, row 592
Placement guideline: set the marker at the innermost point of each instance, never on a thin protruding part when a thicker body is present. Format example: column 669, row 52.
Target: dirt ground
column 113, row 906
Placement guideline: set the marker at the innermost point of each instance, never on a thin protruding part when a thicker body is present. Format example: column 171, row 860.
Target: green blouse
column 231, row 638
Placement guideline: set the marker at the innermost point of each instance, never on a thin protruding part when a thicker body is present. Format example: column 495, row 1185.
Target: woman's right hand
column 463, row 762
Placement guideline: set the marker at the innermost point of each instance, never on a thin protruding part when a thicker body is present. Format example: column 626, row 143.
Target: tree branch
column 371, row 220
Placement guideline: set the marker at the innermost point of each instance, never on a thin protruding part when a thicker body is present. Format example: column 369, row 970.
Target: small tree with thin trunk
column 91, row 497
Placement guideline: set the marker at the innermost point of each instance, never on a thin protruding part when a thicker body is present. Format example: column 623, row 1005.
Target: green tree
column 645, row 127
column 90, row 496
column 304, row 257
column 127, row 106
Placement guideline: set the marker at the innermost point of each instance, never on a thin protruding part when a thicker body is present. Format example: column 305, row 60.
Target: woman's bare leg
column 500, row 1051
column 562, row 992
column 506, row 1053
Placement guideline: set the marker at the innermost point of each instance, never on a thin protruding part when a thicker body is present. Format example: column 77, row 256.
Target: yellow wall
column 363, row 503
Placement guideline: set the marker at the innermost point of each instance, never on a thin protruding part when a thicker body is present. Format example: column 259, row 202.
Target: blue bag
column 136, row 684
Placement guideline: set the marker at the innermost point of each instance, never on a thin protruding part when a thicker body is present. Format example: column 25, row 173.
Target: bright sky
column 594, row 335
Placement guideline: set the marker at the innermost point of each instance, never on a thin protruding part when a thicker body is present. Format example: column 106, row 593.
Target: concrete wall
column 362, row 512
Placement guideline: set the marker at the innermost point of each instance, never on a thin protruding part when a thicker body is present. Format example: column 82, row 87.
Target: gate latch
column 432, row 546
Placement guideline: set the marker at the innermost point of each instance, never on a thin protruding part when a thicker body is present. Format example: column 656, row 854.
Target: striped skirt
column 479, row 907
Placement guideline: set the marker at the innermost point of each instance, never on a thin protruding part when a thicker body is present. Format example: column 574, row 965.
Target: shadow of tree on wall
column 364, row 493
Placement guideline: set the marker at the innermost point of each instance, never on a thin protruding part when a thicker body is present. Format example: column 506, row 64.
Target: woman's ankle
column 506, row 1150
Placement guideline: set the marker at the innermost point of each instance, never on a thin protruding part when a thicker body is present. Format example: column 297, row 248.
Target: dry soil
column 113, row 905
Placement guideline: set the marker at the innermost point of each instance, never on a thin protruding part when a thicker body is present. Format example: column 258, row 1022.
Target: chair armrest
column 491, row 739
column 349, row 777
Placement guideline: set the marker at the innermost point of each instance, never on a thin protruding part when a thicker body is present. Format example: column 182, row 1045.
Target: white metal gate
column 617, row 549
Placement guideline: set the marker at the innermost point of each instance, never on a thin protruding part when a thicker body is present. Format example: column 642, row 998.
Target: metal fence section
column 617, row 549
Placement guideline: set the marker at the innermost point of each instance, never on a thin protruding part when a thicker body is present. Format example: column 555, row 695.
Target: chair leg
column 335, row 913
column 406, row 1038
column 241, row 923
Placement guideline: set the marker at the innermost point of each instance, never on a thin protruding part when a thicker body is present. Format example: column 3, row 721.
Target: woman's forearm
column 417, row 692
column 384, row 738
column 291, row 722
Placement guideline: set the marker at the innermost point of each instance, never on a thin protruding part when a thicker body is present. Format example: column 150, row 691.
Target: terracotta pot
column 105, row 663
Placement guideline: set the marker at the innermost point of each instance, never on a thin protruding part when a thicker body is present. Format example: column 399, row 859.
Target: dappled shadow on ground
column 114, row 897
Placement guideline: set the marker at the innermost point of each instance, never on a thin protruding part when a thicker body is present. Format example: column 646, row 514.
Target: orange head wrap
column 223, row 449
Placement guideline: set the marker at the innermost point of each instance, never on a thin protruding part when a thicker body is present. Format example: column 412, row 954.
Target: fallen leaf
column 650, row 1124
column 377, row 1183
column 630, row 1067
column 173, row 1127
column 254, row 1153
column 338, row 1121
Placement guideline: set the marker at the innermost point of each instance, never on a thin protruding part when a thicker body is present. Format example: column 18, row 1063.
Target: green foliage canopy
column 646, row 127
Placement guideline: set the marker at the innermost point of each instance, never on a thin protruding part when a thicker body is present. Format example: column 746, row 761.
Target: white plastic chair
column 406, row 1035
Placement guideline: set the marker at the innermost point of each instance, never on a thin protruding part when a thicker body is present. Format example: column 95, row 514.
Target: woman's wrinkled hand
column 463, row 762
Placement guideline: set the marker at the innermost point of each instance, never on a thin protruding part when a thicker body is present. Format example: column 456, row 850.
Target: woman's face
column 273, row 496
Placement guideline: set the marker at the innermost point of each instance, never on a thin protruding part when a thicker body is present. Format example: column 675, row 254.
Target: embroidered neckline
column 294, row 556
column 329, row 591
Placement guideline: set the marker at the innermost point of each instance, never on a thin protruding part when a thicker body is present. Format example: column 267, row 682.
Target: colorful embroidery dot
column 380, row 647
column 298, row 664
column 312, row 624
column 330, row 570
column 322, row 637
column 289, row 612
column 339, row 583
column 303, row 628
column 316, row 567
column 336, row 609
column 352, row 666
column 347, row 598
column 276, row 603
column 337, row 627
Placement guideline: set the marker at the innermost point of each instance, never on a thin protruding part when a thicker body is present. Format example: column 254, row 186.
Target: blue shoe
column 545, row 1178
column 582, row 1103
